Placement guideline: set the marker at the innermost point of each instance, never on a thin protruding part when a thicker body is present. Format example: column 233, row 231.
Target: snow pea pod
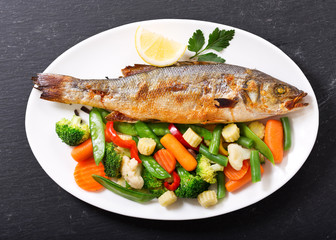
column 103, row 113
column 220, row 159
column 126, row 128
column 153, row 167
column 122, row 191
column 258, row 143
column 144, row 131
column 215, row 141
column 160, row 129
column 97, row 132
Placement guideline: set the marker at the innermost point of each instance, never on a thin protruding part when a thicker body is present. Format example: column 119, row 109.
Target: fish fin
column 119, row 117
column 225, row 102
column 136, row 69
column 186, row 63
column 142, row 68
column 52, row 85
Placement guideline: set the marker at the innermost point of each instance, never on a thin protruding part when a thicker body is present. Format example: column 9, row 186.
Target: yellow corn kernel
column 167, row 198
column 146, row 146
column 230, row 132
column 258, row 128
column 192, row 138
column 207, row 198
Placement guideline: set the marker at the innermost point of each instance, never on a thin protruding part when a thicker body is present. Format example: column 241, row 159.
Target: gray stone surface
column 34, row 33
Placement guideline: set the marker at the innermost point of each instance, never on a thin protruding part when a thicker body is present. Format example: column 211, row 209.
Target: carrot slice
column 274, row 139
column 166, row 159
column 82, row 151
column 235, row 175
column 83, row 174
column 235, row 185
column 187, row 161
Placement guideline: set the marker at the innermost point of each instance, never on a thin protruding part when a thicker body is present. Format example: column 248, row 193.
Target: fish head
column 271, row 95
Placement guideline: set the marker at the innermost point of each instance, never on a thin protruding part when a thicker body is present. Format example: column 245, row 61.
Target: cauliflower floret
column 237, row 154
column 131, row 172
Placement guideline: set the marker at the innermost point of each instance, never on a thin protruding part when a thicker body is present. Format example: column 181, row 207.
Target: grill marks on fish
column 145, row 92
column 119, row 117
column 184, row 93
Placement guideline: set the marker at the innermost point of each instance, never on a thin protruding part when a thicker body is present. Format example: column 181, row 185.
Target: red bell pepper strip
column 178, row 135
column 111, row 135
column 175, row 184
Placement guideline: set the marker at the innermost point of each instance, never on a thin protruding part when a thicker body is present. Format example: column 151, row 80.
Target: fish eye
column 280, row 89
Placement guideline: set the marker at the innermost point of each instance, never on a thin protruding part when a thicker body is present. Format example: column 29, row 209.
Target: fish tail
column 53, row 86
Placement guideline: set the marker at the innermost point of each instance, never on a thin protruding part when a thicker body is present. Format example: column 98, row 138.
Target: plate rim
column 156, row 21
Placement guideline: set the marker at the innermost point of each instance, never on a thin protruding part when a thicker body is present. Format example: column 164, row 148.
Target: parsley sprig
column 218, row 40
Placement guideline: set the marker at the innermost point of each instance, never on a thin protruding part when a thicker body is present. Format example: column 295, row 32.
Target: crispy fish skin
column 184, row 93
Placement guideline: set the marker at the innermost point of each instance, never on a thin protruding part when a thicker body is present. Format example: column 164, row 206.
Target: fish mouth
column 296, row 102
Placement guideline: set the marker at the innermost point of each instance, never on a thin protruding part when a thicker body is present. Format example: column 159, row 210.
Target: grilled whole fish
column 183, row 93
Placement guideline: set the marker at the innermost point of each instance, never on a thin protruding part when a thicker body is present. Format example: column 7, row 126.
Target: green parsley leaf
column 219, row 39
column 210, row 57
column 196, row 42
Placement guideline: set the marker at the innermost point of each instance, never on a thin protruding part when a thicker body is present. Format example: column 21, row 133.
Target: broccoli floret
column 206, row 170
column 190, row 185
column 72, row 132
column 112, row 161
column 153, row 184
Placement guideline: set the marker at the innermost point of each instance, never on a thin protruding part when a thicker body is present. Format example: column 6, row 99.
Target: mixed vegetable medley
column 142, row 161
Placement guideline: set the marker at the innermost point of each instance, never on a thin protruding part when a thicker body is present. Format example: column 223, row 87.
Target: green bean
column 122, row 191
column 153, row 167
column 215, row 141
column 220, row 159
column 144, row 131
column 201, row 131
column 255, row 166
column 258, row 143
column 160, row 129
column 245, row 142
column 126, row 128
column 220, row 185
column 97, row 132
column 287, row 133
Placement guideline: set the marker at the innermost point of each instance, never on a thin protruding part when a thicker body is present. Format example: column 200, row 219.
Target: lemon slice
column 157, row 50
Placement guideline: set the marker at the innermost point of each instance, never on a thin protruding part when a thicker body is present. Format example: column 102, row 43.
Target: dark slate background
column 33, row 33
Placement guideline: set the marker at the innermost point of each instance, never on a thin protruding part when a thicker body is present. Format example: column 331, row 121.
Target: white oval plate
column 105, row 54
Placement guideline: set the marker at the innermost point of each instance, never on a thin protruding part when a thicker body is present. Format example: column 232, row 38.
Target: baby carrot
column 235, row 185
column 166, row 160
column 235, row 175
column 83, row 172
column 274, row 139
column 187, row 161
column 82, row 151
